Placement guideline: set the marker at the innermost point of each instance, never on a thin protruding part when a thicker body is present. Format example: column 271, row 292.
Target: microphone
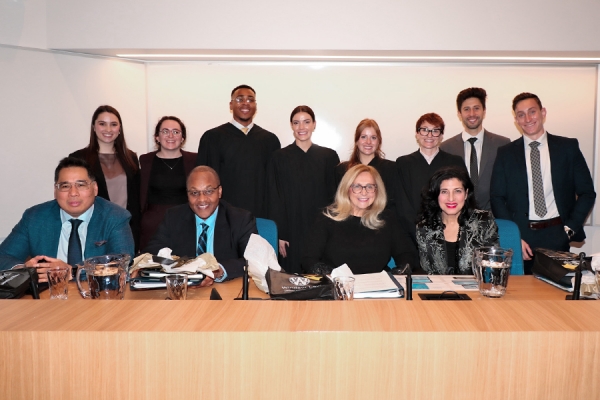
column 408, row 282
column 577, row 284
column 245, row 282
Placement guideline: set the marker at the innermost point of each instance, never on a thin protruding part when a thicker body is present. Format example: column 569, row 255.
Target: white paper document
column 378, row 285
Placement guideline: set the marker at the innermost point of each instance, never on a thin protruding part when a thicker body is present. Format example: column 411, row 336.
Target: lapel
column 487, row 151
column 520, row 167
column 460, row 145
column 145, row 170
column 51, row 233
column 95, row 239
column 556, row 166
column 221, row 239
column 188, row 233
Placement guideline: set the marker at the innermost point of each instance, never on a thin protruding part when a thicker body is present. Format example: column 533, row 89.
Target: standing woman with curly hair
column 163, row 175
column 115, row 166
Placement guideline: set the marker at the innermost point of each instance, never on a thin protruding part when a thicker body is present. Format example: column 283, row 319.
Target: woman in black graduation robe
column 301, row 184
column 367, row 151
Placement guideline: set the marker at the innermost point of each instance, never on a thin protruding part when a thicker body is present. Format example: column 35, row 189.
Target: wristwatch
column 570, row 232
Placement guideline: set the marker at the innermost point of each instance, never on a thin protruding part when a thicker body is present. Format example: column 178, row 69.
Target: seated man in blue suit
column 74, row 226
column 206, row 224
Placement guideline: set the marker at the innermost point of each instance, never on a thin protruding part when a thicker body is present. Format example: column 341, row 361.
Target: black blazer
column 232, row 232
column 571, row 180
column 133, row 188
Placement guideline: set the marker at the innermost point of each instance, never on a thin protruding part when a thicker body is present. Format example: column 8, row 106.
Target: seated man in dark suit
column 206, row 225
column 74, row 226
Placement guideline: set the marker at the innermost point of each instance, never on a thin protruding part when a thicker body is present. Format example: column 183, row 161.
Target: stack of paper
column 379, row 285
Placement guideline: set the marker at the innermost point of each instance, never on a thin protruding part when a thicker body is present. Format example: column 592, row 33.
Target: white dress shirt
column 478, row 148
column 240, row 126
column 546, row 177
column 65, row 232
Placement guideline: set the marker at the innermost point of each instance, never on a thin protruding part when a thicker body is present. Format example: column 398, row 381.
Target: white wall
column 514, row 25
column 394, row 95
column 46, row 106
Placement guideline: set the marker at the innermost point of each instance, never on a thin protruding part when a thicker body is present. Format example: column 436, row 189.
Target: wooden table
column 531, row 344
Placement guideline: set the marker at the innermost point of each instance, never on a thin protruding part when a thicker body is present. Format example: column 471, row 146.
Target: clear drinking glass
column 343, row 288
column 491, row 267
column 177, row 286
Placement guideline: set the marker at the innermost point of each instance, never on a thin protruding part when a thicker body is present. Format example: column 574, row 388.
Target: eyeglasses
column 370, row 188
column 244, row 99
column 166, row 132
column 79, row 185
column 434, row 132
column 207, row 192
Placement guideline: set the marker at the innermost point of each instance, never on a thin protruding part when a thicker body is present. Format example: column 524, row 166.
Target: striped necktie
column 202, row 239
column 539, row 200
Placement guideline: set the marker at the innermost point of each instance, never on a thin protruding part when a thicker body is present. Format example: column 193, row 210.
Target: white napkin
column 261, row 256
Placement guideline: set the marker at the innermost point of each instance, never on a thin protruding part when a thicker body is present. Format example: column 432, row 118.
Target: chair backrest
column 268, row 230
column 510, row 238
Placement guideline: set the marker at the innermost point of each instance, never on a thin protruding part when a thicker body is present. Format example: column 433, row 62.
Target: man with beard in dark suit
column 476, row 145
column 206, row 224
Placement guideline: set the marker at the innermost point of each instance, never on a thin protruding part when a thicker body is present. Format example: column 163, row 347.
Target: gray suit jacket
column 491, row 143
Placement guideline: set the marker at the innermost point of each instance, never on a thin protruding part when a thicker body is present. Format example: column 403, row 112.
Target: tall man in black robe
column 240, row 152
column 415, row 170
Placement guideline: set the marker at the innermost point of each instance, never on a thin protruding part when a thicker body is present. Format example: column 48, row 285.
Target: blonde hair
column 342, row 207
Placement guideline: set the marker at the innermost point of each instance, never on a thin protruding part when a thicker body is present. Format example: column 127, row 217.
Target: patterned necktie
column 245, row 130
column 474, row 170
column 539, row 200
column 202, row 239
column 74, row 254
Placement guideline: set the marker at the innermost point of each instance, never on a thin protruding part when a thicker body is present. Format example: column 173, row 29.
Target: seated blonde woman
column 356, row 229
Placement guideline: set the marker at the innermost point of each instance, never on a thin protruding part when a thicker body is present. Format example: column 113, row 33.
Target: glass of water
column 491, row 267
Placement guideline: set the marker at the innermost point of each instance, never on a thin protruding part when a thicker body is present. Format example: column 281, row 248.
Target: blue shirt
column 65, row 232
column 210, row 237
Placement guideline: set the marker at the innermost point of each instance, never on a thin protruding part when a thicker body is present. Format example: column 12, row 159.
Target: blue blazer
column 38, row 233
column 571, row 181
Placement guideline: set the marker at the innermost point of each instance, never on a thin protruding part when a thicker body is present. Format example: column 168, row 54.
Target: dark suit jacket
column 133, row 188
column 38, row 233
column 571, row 181
column 146, row 160
column 491, row 143
column 232, row 232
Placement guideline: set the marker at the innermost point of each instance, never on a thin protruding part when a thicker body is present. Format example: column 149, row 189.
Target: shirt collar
column 466, row 136
column 240, row 126
column 210, row 221
column 542, row 140
column 85, row 217
column 430, row 158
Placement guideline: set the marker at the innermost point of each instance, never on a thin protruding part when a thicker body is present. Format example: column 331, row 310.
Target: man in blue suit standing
column 542, row 183
column 74, row 226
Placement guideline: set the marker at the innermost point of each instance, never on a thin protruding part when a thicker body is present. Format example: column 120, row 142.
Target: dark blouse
column 364, row 250
column 167, row 181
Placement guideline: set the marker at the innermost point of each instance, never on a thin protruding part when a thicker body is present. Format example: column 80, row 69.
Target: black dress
column 241, row 160
column 301, row 184
column 413, row 174
column 365, row 250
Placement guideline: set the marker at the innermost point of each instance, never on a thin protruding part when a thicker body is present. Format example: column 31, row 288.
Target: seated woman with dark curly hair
column 356, row 229
column 450, row 226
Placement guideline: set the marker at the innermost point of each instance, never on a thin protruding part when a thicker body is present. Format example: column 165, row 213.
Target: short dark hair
column 300, row 109
column 430, row 207
column 524, row 96
column 476, row 92
column 242, row 87
column 170, row 118
column 203, row 168
column 433, row 119
column 69, row 162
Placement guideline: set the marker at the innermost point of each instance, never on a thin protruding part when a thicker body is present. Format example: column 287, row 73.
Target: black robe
column 241, row 162
column 413, row 175
column 300, row 186
column 387, row 170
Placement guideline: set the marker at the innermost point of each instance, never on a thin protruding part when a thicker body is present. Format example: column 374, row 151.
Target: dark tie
column 74, row 254
column 202, row 239
column 539, row 200
column 473, row 163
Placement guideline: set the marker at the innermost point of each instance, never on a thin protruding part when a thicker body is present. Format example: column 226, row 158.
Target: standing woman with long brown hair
column 367, row 151
column 115, row 166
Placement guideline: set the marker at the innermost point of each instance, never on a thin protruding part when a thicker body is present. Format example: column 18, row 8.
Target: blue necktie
column 74, row 254
column 202, row 239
